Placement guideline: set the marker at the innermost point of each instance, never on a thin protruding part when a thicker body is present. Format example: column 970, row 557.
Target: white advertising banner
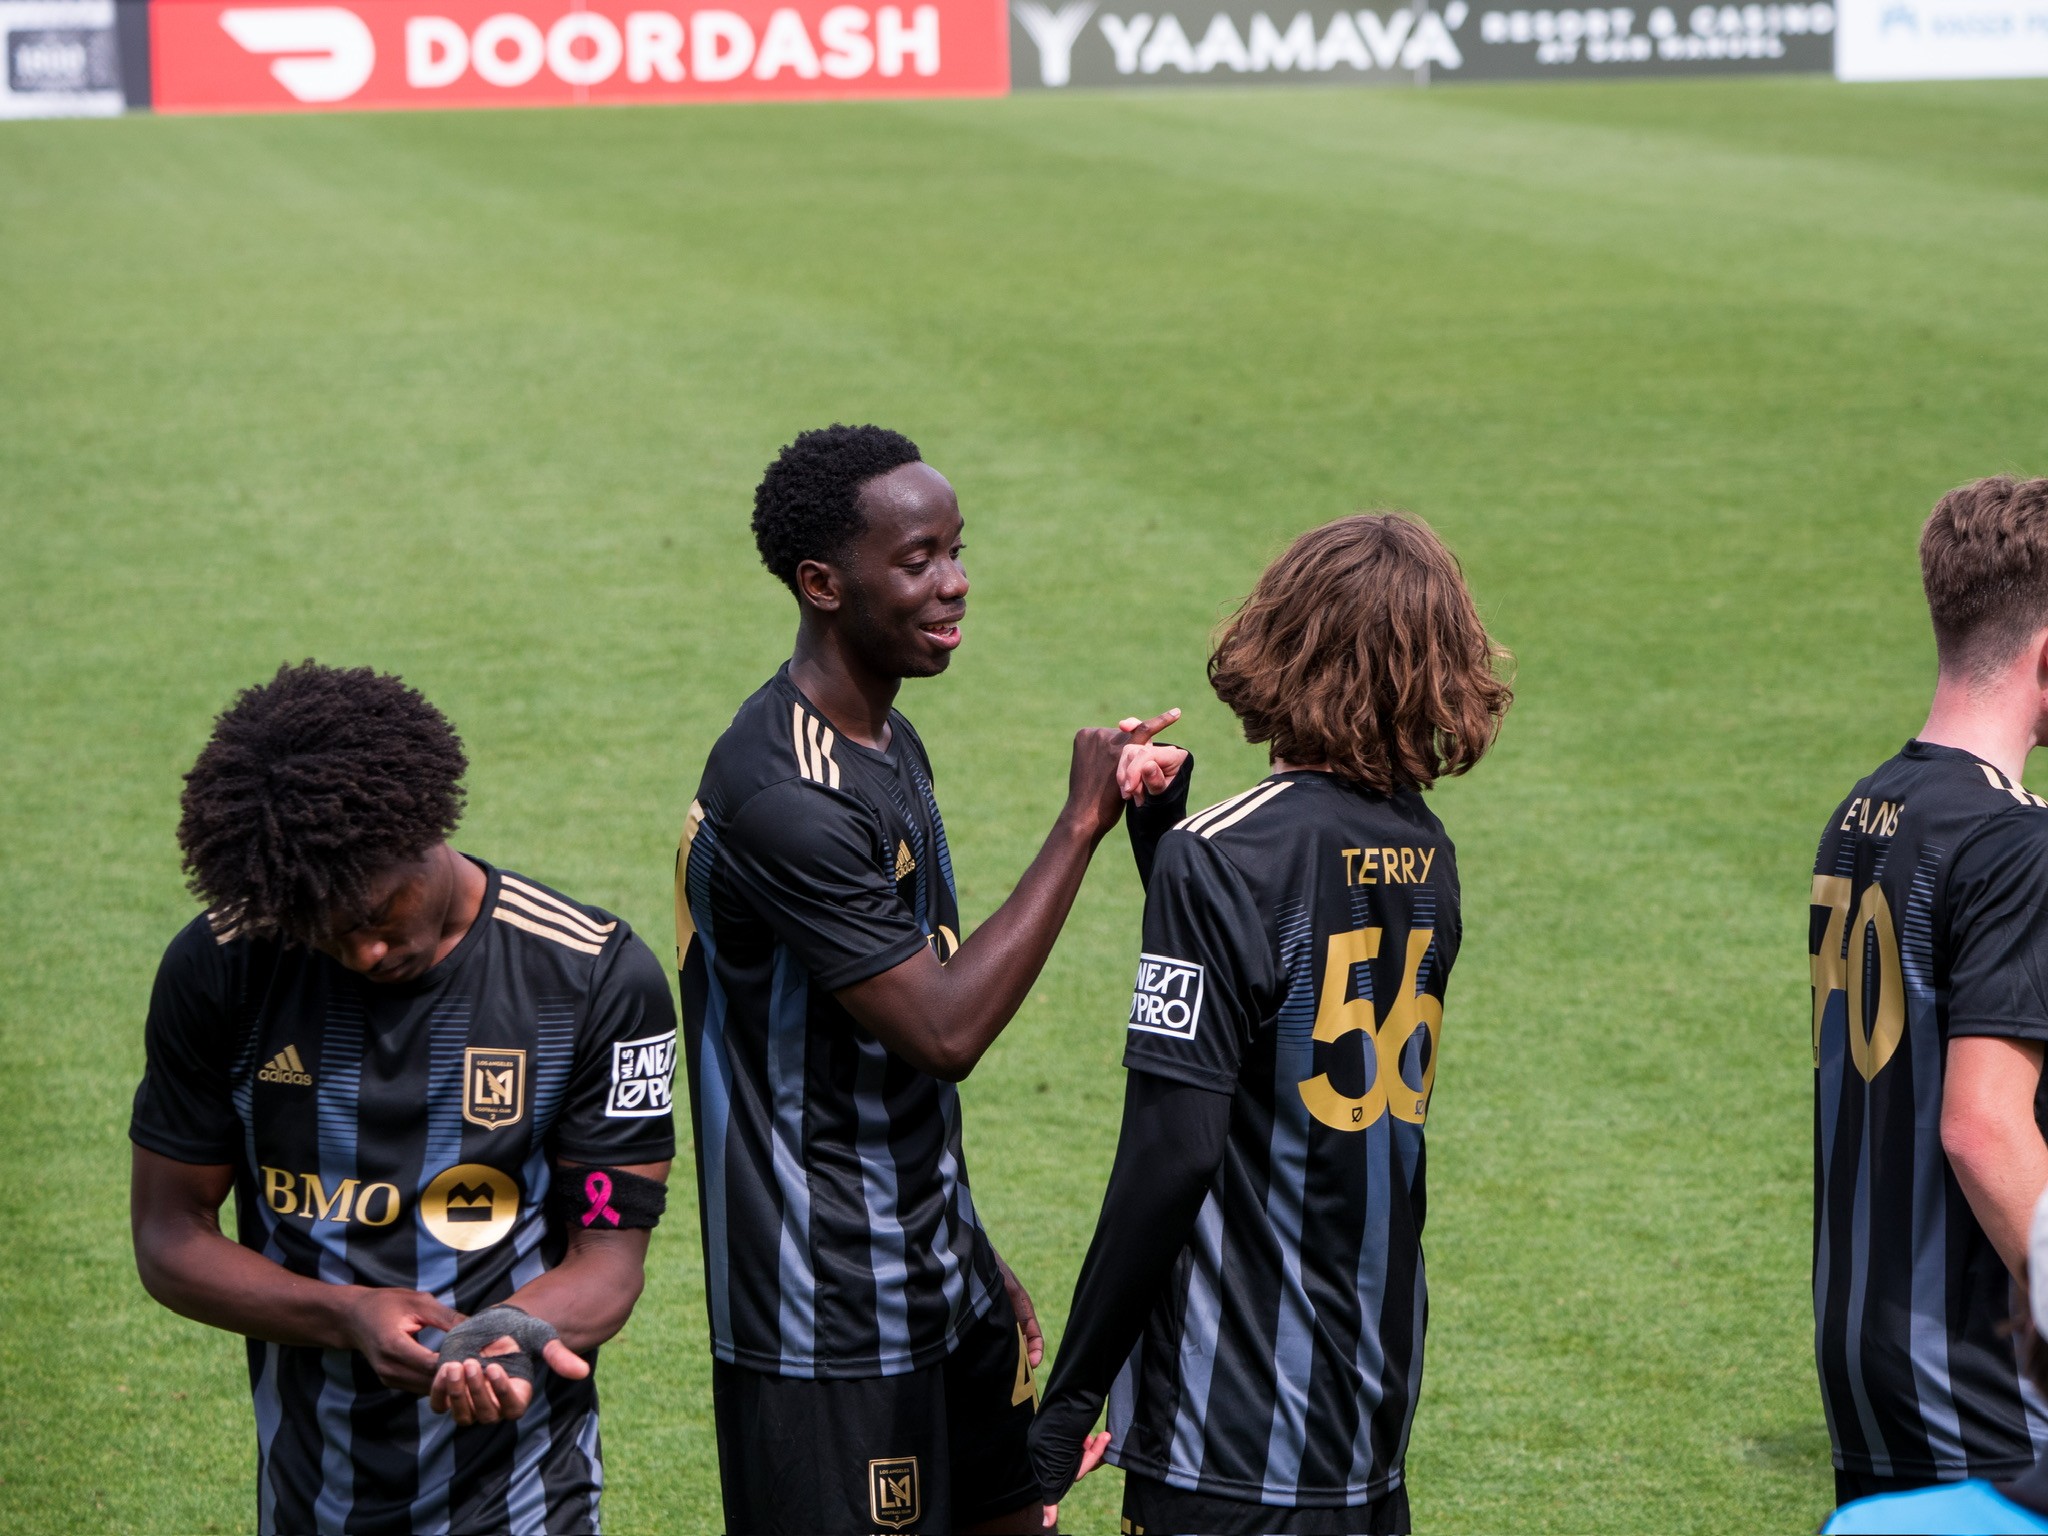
column 1941, row 39
column 59, row 58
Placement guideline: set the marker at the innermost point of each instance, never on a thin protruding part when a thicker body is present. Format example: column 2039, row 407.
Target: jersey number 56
column 1338, row 1014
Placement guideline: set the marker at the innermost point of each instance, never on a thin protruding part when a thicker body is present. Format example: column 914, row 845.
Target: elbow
column 950, row 1064
column 152, row 1271
column 1969, row 1142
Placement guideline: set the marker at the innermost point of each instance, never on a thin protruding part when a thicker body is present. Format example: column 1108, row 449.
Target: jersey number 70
column 1874, row 1033
column 1338, row 1014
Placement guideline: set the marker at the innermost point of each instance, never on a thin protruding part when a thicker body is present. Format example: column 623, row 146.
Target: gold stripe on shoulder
column 538, row 901
column 1273, row 792
column 1997, row 780
column 686, row 926
column 796, row 741
column 505, row 915
column 1194, row 823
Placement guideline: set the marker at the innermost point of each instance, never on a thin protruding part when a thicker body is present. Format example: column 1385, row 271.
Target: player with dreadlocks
column 439, row 1093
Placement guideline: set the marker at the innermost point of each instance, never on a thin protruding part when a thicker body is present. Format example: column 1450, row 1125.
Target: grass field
column 481, row 399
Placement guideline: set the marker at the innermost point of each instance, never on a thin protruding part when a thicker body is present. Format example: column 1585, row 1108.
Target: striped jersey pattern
column 1298, row 938
column 1929, row 921
column 840, row 1236
column 406, row 1136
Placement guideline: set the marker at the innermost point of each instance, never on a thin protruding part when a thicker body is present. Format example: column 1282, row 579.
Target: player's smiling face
column 396, row 933
column 906, row 588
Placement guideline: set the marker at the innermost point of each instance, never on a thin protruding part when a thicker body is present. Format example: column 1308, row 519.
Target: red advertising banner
column 232, row 55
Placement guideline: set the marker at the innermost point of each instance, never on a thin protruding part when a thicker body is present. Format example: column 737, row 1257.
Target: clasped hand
column 383, row 1326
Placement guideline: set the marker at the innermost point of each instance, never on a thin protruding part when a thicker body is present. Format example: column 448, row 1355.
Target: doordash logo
column 414, row 53
column 331, row 51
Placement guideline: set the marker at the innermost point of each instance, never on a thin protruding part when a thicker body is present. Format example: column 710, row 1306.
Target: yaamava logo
column 331, row 51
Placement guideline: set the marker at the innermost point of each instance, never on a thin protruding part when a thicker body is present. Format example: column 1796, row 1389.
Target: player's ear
column 819, row 586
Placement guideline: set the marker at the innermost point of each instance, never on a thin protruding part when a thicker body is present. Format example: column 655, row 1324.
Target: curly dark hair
column 807, row 506
column 312, row 785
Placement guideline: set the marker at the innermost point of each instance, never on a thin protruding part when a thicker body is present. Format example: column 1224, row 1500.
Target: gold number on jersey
column 1339, row 1014
column 1846, row 939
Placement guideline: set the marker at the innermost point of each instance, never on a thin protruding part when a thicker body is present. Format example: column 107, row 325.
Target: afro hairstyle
column 312, row 786
column 807, row 506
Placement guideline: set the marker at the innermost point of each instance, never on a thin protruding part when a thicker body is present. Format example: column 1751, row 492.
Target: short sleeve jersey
column 840, row 1237
column 406, row 1135
column 1929, row 920
column 1297, row 943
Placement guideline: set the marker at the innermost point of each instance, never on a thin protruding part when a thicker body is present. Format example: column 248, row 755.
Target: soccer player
column 1929, row 947
column 1253, row 1301
column 872, row 1355
column 439, row 1093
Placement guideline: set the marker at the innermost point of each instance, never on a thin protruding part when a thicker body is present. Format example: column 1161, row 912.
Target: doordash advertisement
column 221, row 56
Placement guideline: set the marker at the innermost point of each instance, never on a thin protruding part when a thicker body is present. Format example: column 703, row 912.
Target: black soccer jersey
column 405, row 1135
column 840, row 1239
column 1297, row 941
column 1929, row 921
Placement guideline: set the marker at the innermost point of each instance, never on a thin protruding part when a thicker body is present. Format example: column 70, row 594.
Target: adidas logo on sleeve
column 285, row 1067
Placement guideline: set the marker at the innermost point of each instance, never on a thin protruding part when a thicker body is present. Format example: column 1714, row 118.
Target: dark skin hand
column 890, row 610
column 188, row 1264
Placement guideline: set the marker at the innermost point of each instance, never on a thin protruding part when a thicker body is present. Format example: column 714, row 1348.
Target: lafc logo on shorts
column 493, row 1086
column 894, row 1498
column 285, row 1067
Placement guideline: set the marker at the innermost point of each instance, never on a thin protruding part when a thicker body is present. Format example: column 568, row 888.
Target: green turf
column 481, row 399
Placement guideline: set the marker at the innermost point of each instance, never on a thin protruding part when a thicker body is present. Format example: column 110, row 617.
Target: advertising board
column 230, row 55
column 1942, row 39
column 1111, row 42
column 60, row 58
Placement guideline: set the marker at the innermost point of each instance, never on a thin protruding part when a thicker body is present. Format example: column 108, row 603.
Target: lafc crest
column 894, row 1497
column 493, row 1086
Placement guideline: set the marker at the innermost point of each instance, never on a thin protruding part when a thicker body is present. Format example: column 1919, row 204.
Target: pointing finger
column 1146, row 730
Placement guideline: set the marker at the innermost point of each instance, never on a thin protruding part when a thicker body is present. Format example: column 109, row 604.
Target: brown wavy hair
column 1361, row 649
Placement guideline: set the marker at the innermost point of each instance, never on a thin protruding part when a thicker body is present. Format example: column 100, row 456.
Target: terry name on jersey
column 1387, row 866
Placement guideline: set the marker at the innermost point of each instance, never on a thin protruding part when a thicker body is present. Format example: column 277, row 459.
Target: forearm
column 1992, row 1139
column 195, row 1270
column 590, row 1294
column 942, row 1018
column 1167, row 1155
column 1160, row 814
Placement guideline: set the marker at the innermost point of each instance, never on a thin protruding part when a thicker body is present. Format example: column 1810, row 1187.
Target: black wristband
column 607, row 1199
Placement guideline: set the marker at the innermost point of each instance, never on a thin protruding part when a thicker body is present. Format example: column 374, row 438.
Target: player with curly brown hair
column 1255, row 1288
column 439, row 1093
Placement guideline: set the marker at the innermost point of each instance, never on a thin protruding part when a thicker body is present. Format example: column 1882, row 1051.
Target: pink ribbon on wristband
column 598, row 1190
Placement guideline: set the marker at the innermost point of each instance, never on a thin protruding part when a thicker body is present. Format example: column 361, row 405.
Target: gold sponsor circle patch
column 470, row 1206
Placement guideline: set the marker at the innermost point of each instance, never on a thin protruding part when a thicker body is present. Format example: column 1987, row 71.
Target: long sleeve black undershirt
column 1167, row 1153
column 1166, row 1159
column 1158, row 816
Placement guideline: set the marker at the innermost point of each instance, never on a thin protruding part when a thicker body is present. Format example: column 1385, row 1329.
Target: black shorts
column 930, row 1452
column 1152, row 1508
